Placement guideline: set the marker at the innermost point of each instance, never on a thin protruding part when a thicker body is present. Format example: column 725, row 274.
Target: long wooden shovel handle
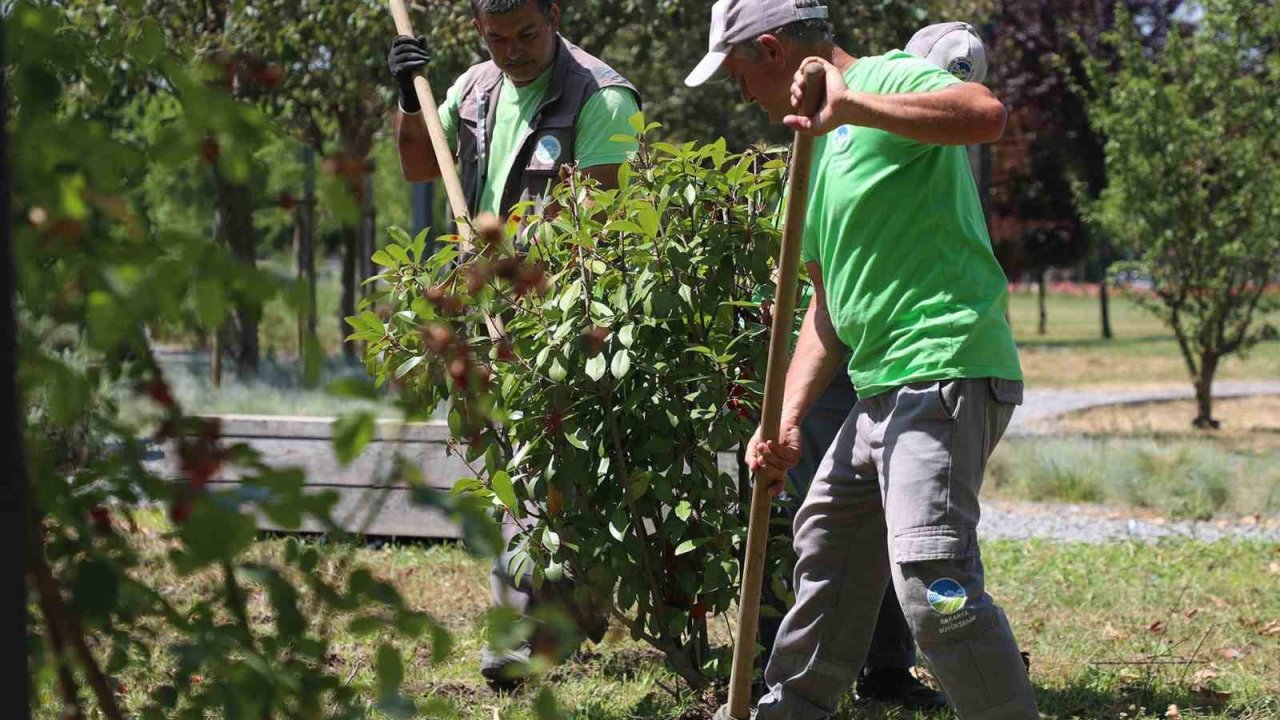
column 784, row 307
column 431, row 116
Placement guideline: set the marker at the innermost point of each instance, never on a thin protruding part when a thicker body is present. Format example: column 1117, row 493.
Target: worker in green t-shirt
column 513, row 122
column 539, row 103
column 908, row 296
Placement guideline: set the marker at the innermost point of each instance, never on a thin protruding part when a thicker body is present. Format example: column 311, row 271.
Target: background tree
column 1039, row 51
column 95, row 273
column 1193, row 170
column 13, row 487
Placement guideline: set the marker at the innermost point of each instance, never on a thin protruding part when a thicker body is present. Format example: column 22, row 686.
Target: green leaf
column 686, row 547
column 504, row 489
column 409, row 365
column 596, row 366
column 216, row 531
column 546, row 707
column 390, row 669
column 683, row 510
column 621, row 364
column 627, row 335
column 575, row 439
column 381, row 257
column 618, row 524
column 96, row 589
column 557, row 373
column 570, row 296
column 351, row 434
column 647, row 216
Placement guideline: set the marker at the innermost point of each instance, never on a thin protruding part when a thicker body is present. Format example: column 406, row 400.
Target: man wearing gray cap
column 907, row 290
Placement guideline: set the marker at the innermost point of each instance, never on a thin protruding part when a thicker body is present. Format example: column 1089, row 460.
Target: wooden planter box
column 307, row 443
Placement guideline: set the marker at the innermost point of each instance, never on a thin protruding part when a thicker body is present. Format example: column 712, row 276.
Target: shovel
column 744, row 650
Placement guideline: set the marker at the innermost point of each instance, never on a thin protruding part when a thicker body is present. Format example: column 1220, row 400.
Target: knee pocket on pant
column 941, row 589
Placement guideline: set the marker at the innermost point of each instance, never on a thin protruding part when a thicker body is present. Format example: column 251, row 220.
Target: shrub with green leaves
column 631, row 352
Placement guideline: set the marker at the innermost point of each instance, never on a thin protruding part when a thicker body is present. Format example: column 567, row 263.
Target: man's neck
column 833, row 53
column 842, row 59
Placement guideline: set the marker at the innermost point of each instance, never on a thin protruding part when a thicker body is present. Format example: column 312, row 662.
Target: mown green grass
column 1114, row 631
column 1142, row 350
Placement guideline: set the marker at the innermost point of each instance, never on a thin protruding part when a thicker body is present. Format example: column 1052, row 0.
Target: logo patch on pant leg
column 946, row 596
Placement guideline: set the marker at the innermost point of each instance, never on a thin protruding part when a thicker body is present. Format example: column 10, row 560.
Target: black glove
column 408, row 56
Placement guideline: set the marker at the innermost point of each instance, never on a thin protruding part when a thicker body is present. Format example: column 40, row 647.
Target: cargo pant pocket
column 963, row 635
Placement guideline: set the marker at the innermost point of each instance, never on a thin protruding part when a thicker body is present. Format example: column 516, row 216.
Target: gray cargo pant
column 896, row 500
column 892, row 646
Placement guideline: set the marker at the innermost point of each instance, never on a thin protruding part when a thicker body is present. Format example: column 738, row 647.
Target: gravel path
column 1005, row 520
column 1042, row 405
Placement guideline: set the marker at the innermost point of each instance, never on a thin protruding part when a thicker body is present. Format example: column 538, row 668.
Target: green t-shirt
column 912, row 286
column 607, row 113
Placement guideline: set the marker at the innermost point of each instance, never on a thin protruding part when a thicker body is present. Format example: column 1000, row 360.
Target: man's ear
column 475, row 23
column 553, row 17
column 771, row 49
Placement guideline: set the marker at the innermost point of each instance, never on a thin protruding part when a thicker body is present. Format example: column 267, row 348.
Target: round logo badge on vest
column 843, row 136
column 961, row 67
column 947, row 597
column 548, row 150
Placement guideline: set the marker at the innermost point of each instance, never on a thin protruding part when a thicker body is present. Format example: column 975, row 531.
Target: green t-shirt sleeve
column 449, row 111
column 607, row 113
column 900, row 72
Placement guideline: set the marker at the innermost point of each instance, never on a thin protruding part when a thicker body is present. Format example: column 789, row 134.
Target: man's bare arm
column 417, row 154
column 818, row 355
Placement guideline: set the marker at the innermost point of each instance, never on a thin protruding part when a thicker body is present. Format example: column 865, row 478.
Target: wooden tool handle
column 435, row 129
column 784, row 308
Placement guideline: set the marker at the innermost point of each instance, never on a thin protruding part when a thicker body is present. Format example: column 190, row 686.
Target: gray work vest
column 549, row 142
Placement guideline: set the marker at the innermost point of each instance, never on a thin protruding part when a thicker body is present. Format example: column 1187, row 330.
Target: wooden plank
column 307, row 443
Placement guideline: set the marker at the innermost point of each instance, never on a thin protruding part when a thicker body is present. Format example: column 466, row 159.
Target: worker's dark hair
column 498, row 7
column 806, row 33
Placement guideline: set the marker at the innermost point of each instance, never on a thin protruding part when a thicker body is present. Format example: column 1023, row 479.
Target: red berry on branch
column 180, row 510
column 101, row 518
column 458, row 370
column 437, row 338
column 698, row 611
column 286, row 201
column 210, row 150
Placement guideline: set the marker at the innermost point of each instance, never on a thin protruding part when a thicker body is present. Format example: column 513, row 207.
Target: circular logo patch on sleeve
column 843, row 136
column 548, row 150
column 946, row 596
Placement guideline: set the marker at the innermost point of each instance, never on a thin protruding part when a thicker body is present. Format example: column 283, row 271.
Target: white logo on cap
column 548, row 150
column 961, row 67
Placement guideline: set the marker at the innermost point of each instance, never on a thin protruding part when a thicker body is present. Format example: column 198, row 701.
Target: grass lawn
column 1149, row 456
column 1142, row 351
column 1114, row 631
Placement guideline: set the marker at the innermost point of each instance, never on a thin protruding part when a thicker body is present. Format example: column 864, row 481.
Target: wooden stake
column 784, row 299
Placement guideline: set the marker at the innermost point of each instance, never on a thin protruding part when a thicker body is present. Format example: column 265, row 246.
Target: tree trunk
column 1104, row 305
column 233, row 219
column 350, row 245
column 215, row 357
column 368, row 234
column 13, row 473
column 1044, row 313
column 304, row 229
column 1204, row 393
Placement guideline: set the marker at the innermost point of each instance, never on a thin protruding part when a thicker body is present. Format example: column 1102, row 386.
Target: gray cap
column 738, row 21
column 954, row 47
